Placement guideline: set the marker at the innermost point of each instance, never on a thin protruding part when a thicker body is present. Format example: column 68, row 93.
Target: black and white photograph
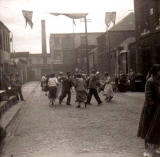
column 79, row 78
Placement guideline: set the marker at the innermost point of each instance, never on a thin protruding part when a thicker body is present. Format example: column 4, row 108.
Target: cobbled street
column 108, row 130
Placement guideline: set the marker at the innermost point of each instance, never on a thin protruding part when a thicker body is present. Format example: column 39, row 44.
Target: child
column 108, row 90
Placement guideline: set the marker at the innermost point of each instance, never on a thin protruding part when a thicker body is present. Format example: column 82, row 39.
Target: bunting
column 110, row 17
column 28, row 17
column 72, row 15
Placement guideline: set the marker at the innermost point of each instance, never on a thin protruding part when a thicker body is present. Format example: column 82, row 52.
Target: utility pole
column 86, row 43
column 86, row 37
column 109, row 53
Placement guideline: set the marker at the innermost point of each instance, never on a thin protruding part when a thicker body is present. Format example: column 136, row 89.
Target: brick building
column 37, row 67
column 69, row 49
column 113, row 46
column 147, row 14
column 20, row 65
column 5, row 42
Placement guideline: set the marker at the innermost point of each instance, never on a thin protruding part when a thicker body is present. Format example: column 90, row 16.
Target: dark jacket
column 149, row 125
column 93, row 82
column 66, row 84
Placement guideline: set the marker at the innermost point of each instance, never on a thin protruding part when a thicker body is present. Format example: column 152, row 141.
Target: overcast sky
column 27, row 39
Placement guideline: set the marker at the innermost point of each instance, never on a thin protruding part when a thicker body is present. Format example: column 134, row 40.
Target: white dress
column 108, row 90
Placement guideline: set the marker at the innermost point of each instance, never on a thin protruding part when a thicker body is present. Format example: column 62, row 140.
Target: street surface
column 98, row 131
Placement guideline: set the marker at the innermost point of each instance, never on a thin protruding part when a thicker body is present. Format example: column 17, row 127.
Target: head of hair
column 106, row 73
column 155, row 69
column 79, row 75
column 93, row 71
column 61, row 73
column 68, row 74
column 52, row 75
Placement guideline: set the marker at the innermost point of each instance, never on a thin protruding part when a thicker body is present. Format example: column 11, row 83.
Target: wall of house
column 107, row 47
column 147, row 15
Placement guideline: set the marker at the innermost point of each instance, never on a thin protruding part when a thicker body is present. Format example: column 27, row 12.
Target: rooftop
column 126, row 24
column 1, row 23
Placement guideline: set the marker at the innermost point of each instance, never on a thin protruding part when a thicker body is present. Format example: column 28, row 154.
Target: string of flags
column 110, row 17
column 72, row 15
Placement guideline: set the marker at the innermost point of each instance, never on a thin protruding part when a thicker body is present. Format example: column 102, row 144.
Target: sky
column 27, row 39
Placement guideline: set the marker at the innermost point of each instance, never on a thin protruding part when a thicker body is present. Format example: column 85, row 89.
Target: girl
column 81, row 94
column 108, row 90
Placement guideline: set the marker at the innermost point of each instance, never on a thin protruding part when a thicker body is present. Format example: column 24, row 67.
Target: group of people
column 13, row 86
column 85, row 87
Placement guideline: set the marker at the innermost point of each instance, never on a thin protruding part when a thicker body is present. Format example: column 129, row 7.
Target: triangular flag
column 28, row 17
column 110, row 17
column 113, row 17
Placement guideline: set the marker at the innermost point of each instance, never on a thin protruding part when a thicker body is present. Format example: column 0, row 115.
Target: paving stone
column 65, row 131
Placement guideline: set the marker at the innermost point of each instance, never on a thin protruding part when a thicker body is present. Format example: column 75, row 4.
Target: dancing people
column 108, row 90
column 80, row 87
column 92, row 86
column 66, row 89
column 52, row 84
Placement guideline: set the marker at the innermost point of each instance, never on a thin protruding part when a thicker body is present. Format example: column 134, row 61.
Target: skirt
column 108, row 91
column 52, row 92
column 81, row 96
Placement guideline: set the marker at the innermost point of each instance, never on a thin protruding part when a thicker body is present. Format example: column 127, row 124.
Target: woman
column 81, row 94
column 149, row 126
column 108, row 90
column 52, row 84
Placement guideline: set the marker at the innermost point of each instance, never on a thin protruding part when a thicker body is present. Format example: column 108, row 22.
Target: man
column 92, row 86
column 18, row 86
column 66, row 89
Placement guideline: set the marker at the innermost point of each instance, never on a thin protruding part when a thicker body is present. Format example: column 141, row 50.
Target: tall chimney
column 44, row 50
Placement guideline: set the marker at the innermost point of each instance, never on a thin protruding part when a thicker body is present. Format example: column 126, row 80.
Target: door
column 146, row 61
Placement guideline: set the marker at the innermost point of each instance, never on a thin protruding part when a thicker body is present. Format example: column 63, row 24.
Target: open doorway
column 146, row 61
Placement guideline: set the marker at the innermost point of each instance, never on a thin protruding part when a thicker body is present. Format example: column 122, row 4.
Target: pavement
column 7, row 118
column 36, row 130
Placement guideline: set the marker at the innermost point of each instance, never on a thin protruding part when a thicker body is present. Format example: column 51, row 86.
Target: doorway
column 146, row 61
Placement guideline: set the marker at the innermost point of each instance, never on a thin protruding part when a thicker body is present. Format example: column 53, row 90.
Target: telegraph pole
column 86, row 37
column 86, row 43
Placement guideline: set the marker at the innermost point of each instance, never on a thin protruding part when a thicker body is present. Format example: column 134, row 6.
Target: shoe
column 78, row 106
column 100, row 103
column 147, row 154
column 68, row 104
column 158, row 151
column 88, row 103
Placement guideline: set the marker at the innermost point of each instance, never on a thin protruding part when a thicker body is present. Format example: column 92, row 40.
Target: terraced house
column 147, row 13
column 5, row 51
